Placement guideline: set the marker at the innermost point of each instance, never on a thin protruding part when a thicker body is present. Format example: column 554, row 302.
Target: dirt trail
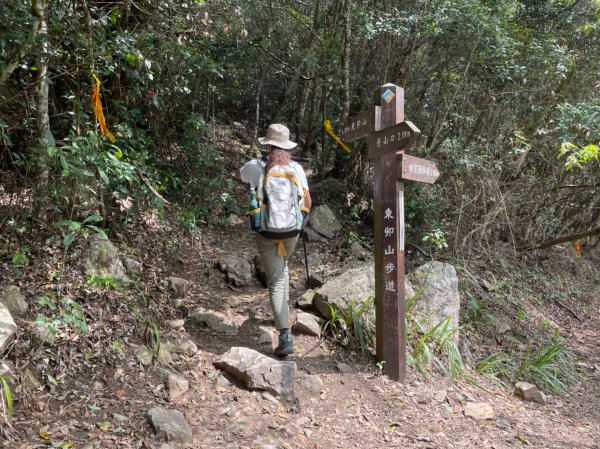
column 359, row 408
column 363, row 409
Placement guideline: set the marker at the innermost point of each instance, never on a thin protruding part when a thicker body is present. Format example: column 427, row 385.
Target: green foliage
column 434, row 347
column 20, row 257
column 437, row 239
column 201, row 182
column 575, row 156
column 6, row 397
column 117, row 347
column 156, row 340
column 550, row 366
column 422, row 209
column 72, row 229
column 103, row 281
column 352, row 328
column 496, row 367
column 63, row 311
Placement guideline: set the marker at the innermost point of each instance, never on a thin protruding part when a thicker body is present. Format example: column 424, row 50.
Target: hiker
column 284, row 202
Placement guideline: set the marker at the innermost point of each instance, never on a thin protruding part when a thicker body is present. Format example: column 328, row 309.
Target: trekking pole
column 305, row 257
column 304, row 223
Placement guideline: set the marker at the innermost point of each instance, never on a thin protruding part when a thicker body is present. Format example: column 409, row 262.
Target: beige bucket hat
column 278, row 136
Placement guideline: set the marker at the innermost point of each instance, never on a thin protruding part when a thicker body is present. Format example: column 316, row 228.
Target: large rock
column 259, row 372
column 187, row 347
column 144, row 356
column 440, row 298
column 306, row 323
column 43, row 334
column 324, row 221
column 314, row 237
column 529, row 392
column 176, row 385
column 133, row 267
column 180, row 286
column 169, row 425
column 354, row 284
column 479, row 410
column 215, row 321
column 6, row 370
column 103, row 258
column 8, row 328
column 306, row 300
column 12, row 298
column 238, row 271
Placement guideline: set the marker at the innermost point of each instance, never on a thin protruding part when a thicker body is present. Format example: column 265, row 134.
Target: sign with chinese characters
column 389, row 135
column 390, row 251
column 413, row 168
column 395, row 138
column 360, row 125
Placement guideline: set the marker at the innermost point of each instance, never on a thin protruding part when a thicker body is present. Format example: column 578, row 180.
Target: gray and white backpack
column 279, row 195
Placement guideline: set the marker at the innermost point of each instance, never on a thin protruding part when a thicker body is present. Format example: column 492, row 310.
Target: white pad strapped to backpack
column 280, row 196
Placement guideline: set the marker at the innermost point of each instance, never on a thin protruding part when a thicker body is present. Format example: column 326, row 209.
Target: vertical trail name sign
column 389, row 136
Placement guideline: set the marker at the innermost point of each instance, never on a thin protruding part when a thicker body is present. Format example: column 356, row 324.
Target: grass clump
column 551, row 366
column 434, row 347
column 352, row 328
column 6, row 399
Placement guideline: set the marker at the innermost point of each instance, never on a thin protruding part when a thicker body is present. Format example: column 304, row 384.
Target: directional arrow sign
column 360, row 125
column 416, row 169
column 395, row 138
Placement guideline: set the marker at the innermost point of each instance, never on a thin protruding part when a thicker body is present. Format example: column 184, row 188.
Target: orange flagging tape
column 97, row 108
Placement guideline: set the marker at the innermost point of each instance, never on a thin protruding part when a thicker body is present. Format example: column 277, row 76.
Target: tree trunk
column 40, row 9
column 568, row 238
column 346, row 60
column 11, row 65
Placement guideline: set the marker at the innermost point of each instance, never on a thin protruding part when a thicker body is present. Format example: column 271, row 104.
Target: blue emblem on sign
column 388, row 96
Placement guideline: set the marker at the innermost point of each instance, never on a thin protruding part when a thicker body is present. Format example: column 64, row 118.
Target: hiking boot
column 286, row 345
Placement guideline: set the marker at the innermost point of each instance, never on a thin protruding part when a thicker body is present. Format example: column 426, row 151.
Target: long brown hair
column 277, row 156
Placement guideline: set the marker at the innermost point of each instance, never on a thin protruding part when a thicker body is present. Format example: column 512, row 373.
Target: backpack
column 279, row 194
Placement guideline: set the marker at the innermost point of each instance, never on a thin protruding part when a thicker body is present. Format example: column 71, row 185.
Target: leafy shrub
column 64, row 311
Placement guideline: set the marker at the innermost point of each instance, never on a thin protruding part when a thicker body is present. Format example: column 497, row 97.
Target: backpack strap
column 283, row 174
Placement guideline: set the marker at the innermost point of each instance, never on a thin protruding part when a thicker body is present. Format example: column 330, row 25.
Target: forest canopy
column 505, row 93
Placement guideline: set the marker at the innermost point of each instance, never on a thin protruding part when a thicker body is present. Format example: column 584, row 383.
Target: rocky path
column 339, row 399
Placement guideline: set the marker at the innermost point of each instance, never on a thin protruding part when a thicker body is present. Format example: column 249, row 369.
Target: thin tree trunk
column 40, row 9
column 346, row 60
column 567, row 238
column 11, row 65
column 257, row 116
column 43, row 116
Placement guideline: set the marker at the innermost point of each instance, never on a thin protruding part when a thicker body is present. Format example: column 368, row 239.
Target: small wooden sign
column 395, row 138
column 360, row 125
column 416, row 169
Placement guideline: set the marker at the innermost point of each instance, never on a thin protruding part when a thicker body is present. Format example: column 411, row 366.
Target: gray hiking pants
column 274, row 260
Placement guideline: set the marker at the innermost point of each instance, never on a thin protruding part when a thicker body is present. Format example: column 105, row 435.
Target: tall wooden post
column 389, row 241
column 389, row 136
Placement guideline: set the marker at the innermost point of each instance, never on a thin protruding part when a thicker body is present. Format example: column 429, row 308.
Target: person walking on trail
column 278, row 210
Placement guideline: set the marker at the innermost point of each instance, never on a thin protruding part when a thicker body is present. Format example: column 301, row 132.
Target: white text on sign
column 422, row 170
column 400, row 135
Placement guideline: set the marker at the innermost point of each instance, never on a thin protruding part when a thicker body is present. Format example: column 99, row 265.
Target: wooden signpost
column 389, row 136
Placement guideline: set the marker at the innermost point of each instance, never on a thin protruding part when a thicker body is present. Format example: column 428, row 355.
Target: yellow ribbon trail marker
column 329, row 129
